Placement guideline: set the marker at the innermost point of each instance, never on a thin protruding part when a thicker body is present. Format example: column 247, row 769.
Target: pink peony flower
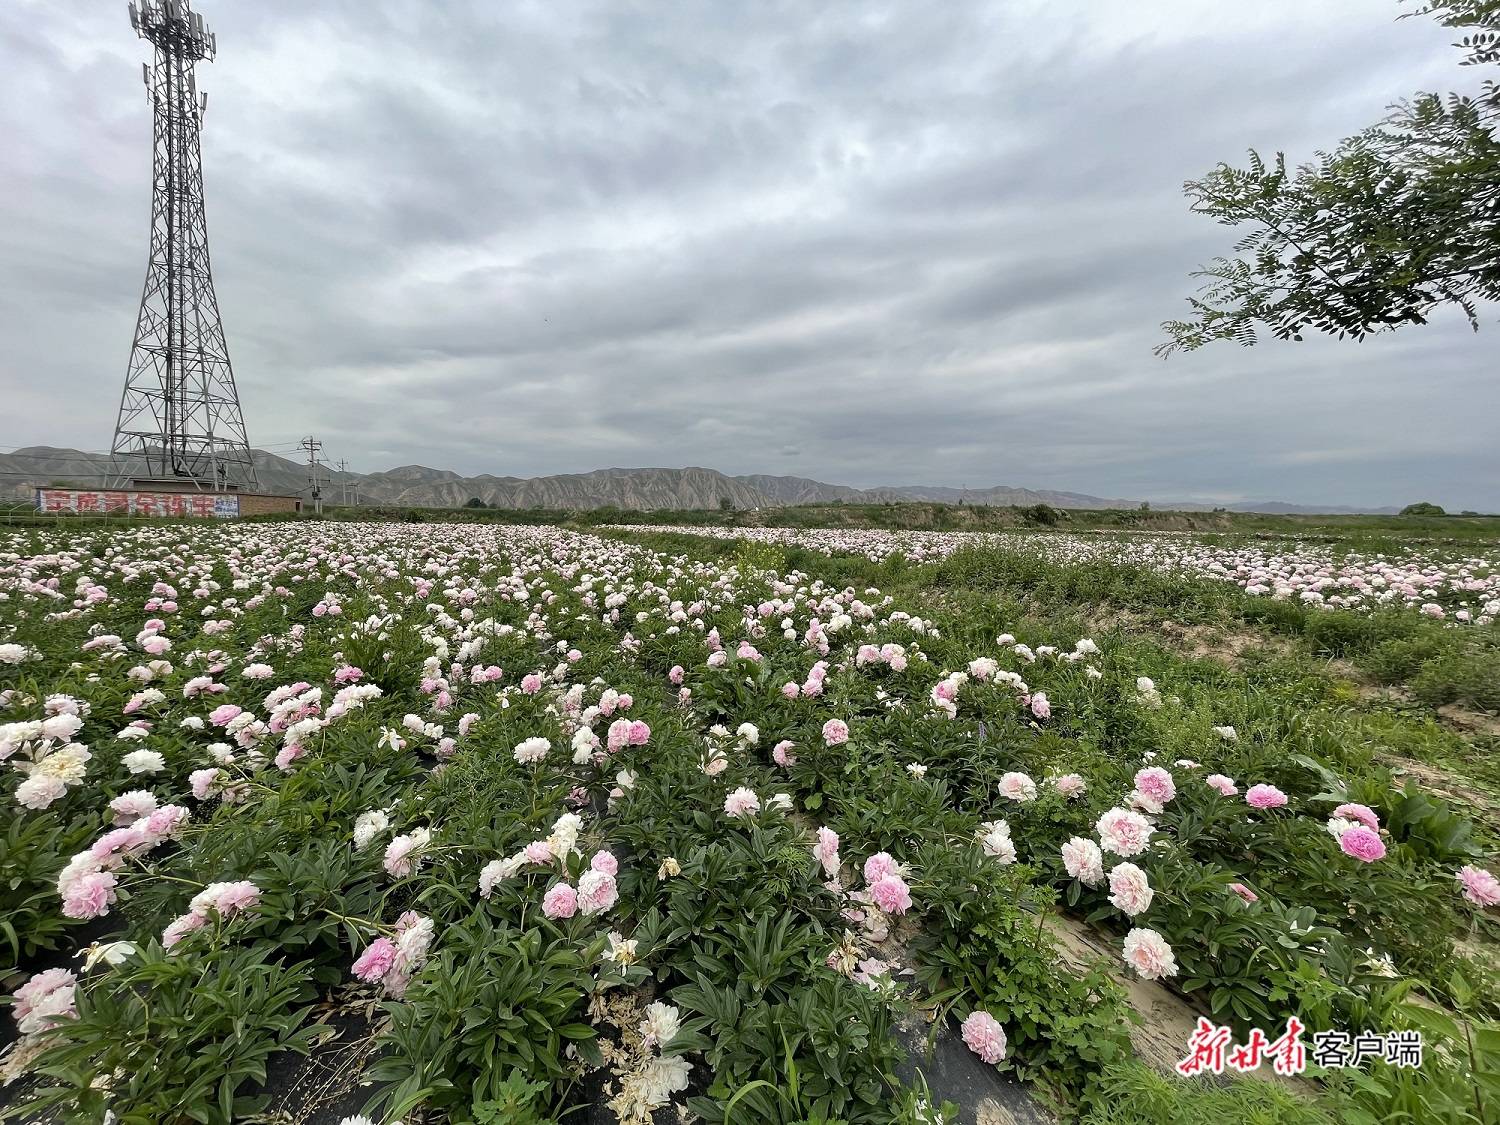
column 1244, row 892
column 167, row 821
column 597, row 891
column 1480, row 886
column 741, row 802
column 1264, row 797
column 1040, row 707
column 1362, row 843
column 181, row 927
column 1156, row 783
column 89, row 896
column 675, row 675
column 203, row 782
column 47, row 997
column 826, row 850
column 538, row 851
column 116, row 844
column 1362, row 813
column 1083, row 860
column 782, row 754
column 1017, row 787
column 1224, row 785
column 1123, row 832
column 891, row 894
column 605, row 862
column 376, row 961
column 132, row 806
column 880, row 864
column 1149, row 954
column 835, row 732
column 40, row 790
column 404, row 852
column 984, row 1036
column 531, row 683
column 223, row 714
column 1070, row 785
column 790, row 690
column 230, row 898
column 560, row 901
column 1129, row 889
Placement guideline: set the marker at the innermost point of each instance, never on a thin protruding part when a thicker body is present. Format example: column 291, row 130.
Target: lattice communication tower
column 180, row 411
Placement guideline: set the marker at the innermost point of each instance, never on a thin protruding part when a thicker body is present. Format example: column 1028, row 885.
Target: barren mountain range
column 677, row 489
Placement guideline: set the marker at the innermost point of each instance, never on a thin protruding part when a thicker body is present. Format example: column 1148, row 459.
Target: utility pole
column 314, row 447
column 344, row 481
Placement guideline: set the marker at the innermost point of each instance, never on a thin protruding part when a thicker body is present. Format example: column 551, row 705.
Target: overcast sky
column 871, row 243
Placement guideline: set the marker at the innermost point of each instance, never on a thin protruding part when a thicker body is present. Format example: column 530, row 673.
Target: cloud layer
column 873, row 243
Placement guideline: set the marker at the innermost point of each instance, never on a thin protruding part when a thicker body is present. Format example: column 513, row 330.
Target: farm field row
column 540, row 818
column 1461, row 585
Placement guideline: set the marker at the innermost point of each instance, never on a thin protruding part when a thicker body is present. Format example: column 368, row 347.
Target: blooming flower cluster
column 245, row 673
column 1458, row 588
column 393, row 961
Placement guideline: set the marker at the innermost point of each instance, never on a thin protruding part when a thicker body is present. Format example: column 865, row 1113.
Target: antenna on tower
column 180, row 410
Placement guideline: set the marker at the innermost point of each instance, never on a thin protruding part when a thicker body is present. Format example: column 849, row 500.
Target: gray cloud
column 871, row 243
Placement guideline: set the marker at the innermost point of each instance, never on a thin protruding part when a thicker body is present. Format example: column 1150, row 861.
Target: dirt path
column 1167, row 1020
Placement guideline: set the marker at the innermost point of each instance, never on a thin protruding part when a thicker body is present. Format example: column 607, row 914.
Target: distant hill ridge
column 673, row 489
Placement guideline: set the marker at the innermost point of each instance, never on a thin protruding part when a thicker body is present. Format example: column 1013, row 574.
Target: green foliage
column 514, row 1103
column 1396, row 221
column 1062, row 1024
column 494, row 1005
column 1131, row 1093
column 1423, row 508
column 832, row 1035
column 177, row 1037
column 32, row 851
column 1458, row 1081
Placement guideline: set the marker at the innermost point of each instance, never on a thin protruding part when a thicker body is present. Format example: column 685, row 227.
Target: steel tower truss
column 180, row 411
